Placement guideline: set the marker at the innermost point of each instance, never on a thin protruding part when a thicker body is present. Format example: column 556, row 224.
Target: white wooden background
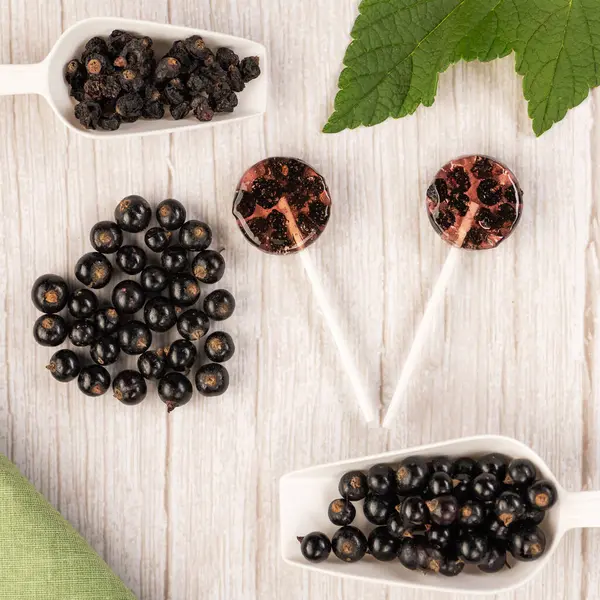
column 185, row 507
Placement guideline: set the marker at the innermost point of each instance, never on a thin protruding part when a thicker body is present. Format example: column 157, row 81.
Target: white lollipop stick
column 422, row 335
column 364, row 401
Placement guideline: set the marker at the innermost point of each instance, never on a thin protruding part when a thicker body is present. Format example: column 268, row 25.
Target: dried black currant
column 250, row 68
column 219, row 305
column 134, row 337
column 170, row 214
column 106, row 320
column 224, row 101
column 129, row 387
column 193, row 325
column 50, row 293
column 128, row 297
column 175, row 390
column 88, row 113
column 153, row 110
column 131, row 80
column 208, row 266
column 106, row 237
column 166, row 69
column 93, row 380
column 131, row 259
column 181, row 111
column 227, row 58
column 97, row 64
column 116, row 41
column 175, row 260
column 195, row 45
column 202, row 109
column 133, row 214
column 105, row 351
column 94, row 270
column 130, row 106
column 198, row 84
column 160, row 314
column 154, row 280
column 74, row 71
column 110, row 122
column 195, row 236
column 175, row 92
column 152, row 365
column 82, row 333
column 181, row 355
column 341, row 512
column 235, row 79
column 64, row 366
column 95, row 45
column 184, row 289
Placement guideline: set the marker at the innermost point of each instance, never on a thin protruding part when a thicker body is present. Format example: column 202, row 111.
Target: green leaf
column 399, row 48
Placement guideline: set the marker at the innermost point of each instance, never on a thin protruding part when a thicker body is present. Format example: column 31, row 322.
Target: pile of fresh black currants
column 438, row 515
column 109, row 330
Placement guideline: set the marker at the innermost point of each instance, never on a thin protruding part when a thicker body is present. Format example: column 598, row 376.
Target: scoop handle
column 22, row 79
column 581, row 510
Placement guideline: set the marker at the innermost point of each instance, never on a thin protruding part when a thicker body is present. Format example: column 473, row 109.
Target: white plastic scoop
column 305, row 496
column 47, row 77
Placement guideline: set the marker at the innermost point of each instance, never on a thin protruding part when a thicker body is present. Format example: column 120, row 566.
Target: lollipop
column 282, row 206
column 474, row 203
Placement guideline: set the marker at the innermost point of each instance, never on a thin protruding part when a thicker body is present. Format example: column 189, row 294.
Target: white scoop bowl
column 47, row 77
column 305, row 496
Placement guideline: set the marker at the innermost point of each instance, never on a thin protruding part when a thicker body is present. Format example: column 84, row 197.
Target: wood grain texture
column 186, row 507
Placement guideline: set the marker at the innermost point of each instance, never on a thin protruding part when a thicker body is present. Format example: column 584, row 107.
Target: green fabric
column 41, row 556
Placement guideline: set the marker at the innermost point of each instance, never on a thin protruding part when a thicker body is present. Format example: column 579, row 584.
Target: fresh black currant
column 106, row 237
column 464, row 466
column 129, row 387
column 93, row 380
column 398, row 527
column 527, row 542
column 521, row 473
column 193, row 325
column 451, row 567
column 158, row 239
column 131, row 259
column 154, row 280
column 134, row 337
column 94, row 270
column 497, row 529
column 83, row 303
column 414, row 511
column 429, row 558
column 50, row 330
column 170, row 214
column 181, row 355
column 82, row 333
column 349, row 544
column 494, row 560
column 509, row 507
column 441, row 464
column 106, row 320
column 175, row 260
column 133, row 214
column 440, row 484
column 542, row 495
column 195, row 236
column 50, row 293
column 494, row 463
column 412, row 475
column 152, row 365
column 128, row 297
column 315, row 547
column 219, row 347
column 443, row 510
column 472, row 547
column 212, row 380
column 378, row 509
column 64, row 366
column 382, row 546
column 472, row 514
column 184, row 289
column 341, row 512
column 160, row 314
column 105, row 351
column 485, row 487
column 408, row 554
column 440, row 537
column 381, row 478
column 534, row 515
column 209, row 266
column 175, row 390
column 219, row 305
column 461, row 484
column 353, row 486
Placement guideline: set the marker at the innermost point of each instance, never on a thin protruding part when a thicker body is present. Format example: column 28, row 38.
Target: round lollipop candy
column 473, row 203
column 282, row 206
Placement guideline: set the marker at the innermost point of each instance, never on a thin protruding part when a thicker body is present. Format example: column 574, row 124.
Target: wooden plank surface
column 186, row 506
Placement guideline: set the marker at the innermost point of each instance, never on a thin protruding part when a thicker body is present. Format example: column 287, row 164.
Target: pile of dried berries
column 119, row 80
column 109, row 330
column 439, row 515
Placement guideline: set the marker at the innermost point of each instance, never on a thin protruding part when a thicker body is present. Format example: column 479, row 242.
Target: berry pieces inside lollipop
column 474, row 202
column 282, row 205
